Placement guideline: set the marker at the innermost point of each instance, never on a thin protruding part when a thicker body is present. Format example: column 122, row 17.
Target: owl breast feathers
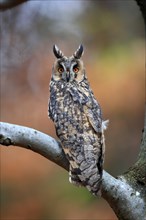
column 78, row 120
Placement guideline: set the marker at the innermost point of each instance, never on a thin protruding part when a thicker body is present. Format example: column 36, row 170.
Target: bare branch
column 34, row 140
column 127, row 203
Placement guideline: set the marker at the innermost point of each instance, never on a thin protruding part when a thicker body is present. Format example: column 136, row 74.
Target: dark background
column 112, row 32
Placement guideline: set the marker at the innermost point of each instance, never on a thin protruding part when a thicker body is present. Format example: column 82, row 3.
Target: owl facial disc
column 68, row 69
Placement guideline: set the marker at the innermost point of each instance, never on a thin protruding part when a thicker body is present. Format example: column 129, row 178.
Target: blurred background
column 112, row 33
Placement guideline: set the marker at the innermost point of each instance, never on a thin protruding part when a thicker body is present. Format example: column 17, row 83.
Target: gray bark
column 126, row 198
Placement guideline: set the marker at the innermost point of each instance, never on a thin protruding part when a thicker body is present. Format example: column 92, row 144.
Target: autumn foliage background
column 112, row 33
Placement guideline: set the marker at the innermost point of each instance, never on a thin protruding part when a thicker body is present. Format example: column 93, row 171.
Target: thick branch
column 136, row 175
column 34, row 140
column 124, row 200
column 127, row 203
column 127, row 196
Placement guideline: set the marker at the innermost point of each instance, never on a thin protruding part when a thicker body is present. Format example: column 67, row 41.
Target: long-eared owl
column 78, row 120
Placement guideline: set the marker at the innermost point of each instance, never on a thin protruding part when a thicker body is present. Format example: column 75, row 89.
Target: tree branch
column 118, row 193
column 34, row 140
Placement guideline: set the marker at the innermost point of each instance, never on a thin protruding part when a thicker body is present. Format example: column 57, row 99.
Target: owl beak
column 67, row 76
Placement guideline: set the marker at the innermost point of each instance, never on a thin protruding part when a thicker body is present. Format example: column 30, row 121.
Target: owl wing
column 86, row 167
column 95, row 120
column 85, row 97
column 93, row 113
column 91, row 107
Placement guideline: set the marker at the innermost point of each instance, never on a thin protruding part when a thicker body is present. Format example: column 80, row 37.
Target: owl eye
column 60, row 69
column 76, row 69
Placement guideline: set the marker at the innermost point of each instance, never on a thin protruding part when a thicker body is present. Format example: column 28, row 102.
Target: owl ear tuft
column 79, row 52
column 57, row 52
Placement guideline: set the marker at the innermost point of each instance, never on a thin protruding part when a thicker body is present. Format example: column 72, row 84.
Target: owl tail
column 93, row 179
column 89, row 178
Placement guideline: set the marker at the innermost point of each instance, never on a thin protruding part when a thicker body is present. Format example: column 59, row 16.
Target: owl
column 78, row 120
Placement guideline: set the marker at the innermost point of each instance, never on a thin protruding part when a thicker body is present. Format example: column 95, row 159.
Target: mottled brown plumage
column 78, row 120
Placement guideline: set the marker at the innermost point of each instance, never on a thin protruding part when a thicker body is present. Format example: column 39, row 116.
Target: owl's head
column 68, row 69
